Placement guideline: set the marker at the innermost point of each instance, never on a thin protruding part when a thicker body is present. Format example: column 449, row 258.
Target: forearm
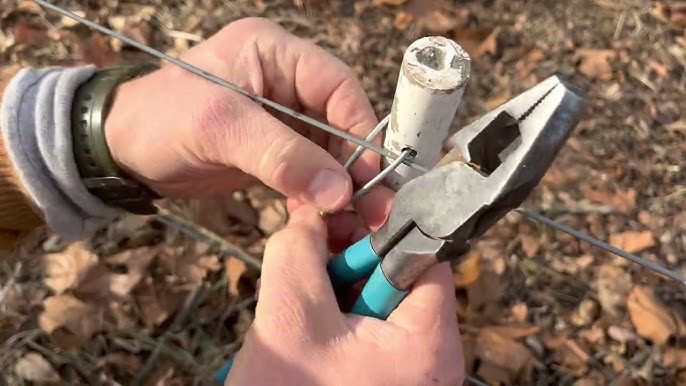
column 17, row 213
column 39, row 179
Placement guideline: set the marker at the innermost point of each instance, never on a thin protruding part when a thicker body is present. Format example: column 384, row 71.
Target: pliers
column 493, row 165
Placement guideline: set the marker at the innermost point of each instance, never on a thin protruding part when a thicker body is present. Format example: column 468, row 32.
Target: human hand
column 300, row 337
column 184, row 136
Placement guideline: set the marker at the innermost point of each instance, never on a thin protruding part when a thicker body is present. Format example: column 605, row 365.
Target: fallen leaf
column 498, row 98
column 568, row 353
column 632, row 241
column 660, row 69
column 489, row 45
column 674, row 357
column 501, row 350
column 30, row 33
column 96, row 50
column 529, row 244
column 613, row 286
column 526, row 65
column 513, row 332
column 33, row 367
column 621, row 334
column 69, row 321
column 651, row 318
column 118, row 274
column 678, row 126
column 469, row 269
column 402, row 20
column 471, row 39
column 155, row 304
column 234, row 270
column 65, row 270
column 595, row 63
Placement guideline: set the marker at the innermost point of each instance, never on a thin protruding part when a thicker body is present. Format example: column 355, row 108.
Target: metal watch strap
column 100, row 173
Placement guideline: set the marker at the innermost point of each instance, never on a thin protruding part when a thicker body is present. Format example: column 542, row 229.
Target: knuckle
column 276, row 162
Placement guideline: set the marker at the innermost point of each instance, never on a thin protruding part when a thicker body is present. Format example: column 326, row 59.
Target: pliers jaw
column 494, row 164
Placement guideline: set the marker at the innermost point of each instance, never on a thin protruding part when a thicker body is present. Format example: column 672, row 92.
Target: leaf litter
column 535, row 306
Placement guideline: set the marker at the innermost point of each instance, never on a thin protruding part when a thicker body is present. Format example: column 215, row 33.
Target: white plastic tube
column 433, row 76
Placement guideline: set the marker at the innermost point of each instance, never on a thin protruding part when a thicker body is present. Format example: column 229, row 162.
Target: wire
column 215, row 79
column 356, row 154
column 407, row 153
column 603, row 245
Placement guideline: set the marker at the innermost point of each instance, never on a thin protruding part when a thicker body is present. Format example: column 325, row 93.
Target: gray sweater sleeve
column 36, row 126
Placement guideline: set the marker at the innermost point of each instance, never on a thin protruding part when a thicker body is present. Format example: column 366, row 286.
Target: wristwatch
column 99, row 172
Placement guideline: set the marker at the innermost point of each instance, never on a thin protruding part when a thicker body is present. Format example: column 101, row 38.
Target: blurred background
column 143, row 303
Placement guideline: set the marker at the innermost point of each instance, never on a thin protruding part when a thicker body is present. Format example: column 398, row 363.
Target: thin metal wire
column 217, row 80
column 603, row 245
column 407, row 153
column 356, row 154
column 476, row 381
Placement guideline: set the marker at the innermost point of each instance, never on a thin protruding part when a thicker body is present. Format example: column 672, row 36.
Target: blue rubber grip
column 355, row 263
column 223, row 373
column 379, row 297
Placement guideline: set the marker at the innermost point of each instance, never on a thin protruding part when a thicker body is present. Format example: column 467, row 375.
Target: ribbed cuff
column 36, row 125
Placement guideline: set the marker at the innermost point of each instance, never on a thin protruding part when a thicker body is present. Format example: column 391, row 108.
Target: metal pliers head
column 491, row 168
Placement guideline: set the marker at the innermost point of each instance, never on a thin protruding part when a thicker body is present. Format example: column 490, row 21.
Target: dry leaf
column 489, row 45
column 234, row 270
column 101, row 281
column 529, row 244
column 69, row 321
column 403, row 20
column 595, row 63
column 502, row 351
column 632, row 241
column 568, row 353
column 469, row 269
column 273, row 217
column 33, row 367
column 513, row 332
column 155, row 304
column 498, row 98
column 613, row 286
column 65, row 270
column 651, row 318
column 674, row 358
column 526, row 66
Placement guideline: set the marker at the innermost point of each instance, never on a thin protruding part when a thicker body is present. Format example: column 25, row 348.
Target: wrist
column 104, row 176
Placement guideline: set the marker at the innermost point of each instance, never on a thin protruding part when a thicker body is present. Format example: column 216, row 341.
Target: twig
column 192, row 301
column 203, row 234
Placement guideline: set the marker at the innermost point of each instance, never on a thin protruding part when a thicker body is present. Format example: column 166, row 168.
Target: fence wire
column 363, row 144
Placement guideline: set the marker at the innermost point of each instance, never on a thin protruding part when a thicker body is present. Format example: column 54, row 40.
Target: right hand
column 300, row 337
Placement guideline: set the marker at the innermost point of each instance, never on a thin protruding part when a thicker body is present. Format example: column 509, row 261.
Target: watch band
column 100, row 173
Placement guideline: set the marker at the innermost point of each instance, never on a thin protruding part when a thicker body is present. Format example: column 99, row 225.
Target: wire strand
column 222, row 82
column 356, row 154
column 407, row 153
column 603, row 245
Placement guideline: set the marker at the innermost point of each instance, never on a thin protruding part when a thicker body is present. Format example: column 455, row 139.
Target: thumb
column 290, row 163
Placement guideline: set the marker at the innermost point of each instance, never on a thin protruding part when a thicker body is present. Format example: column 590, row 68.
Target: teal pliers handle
column 378, row 298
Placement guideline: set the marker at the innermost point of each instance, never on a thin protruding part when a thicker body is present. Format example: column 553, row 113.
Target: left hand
column 184, row 136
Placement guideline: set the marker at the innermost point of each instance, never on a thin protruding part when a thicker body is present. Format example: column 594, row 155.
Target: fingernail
column 328, row 189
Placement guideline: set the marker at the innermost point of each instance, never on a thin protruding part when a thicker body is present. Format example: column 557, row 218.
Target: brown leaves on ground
column 503, row 357
column 652, row 319
column 69, row 321
column 596, row 63
column 613, row 286
column 33, row 367
column 633, row 241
